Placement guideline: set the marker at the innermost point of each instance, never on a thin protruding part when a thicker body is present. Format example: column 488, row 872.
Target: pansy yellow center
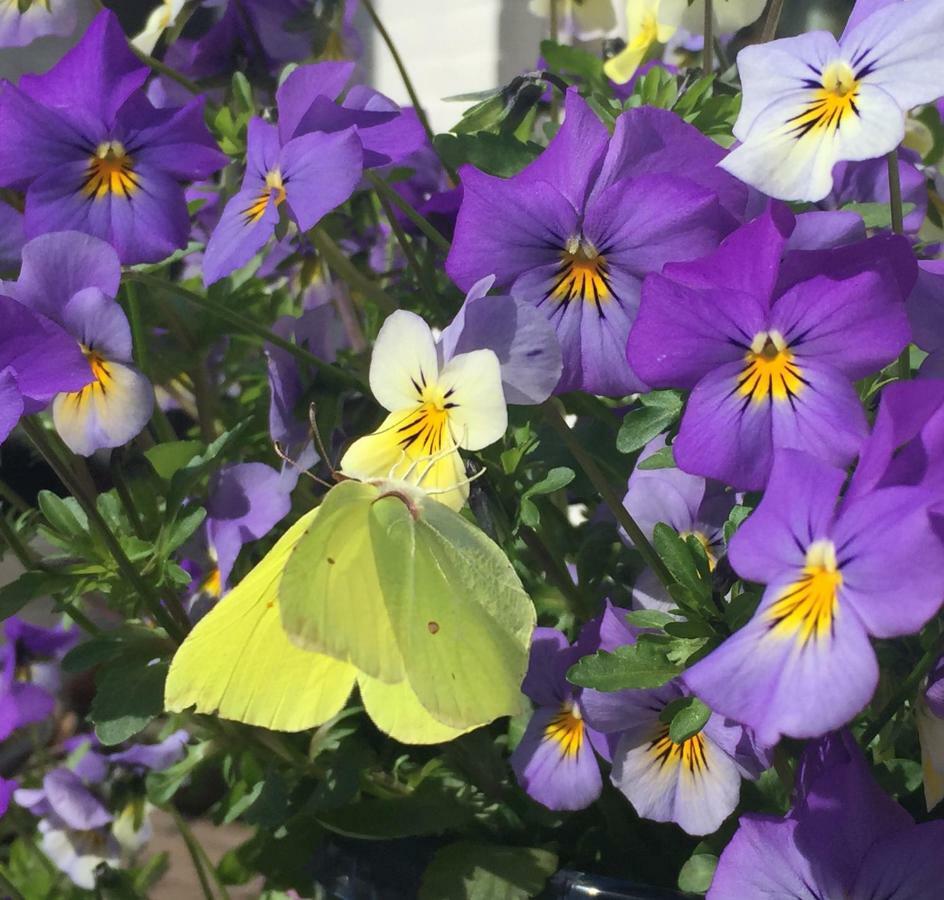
column 273, row 182
column 583, row 274
column 110, row 171
column 425, row 428
column 770, row 370
column 807, row 607
column 101, row 372
column 689, row 753
column 213, row 583
column 566, row 730
column 23, row 6
column 832, row 100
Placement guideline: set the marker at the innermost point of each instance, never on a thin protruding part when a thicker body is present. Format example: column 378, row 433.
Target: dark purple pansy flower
column 555, row 760
column 27, row 682
column 926, row 314
column 691, row 505
column 93, row 154
column 577, row 230
column 906, row 446
column 770, row 351
column 694, row 783
column 38, row 360
column 21, row 24
column 72, row 278
column 844, row 837
column 803, row 665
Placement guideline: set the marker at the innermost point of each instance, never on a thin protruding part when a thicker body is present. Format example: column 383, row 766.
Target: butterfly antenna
column 445, row 490
column 432, row 460
column 396, row 465
column 319, row 441
column 294, row 464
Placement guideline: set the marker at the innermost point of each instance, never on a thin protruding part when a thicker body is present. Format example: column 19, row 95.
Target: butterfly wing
column 330, row 596
column 461, row 617
column 239, row 664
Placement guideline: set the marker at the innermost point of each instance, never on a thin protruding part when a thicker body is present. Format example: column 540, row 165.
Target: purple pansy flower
column 555, row 761
column 27, row 681
column 93, row 154
column 694, row 783
column 576, row 231
column 246, row 501
column 21, row 25
column 926, row 314
column 72, row 279
column 38, row 360
column 803, row 665
column 844, row 838
column 689, row 504
column 311, row 162
column 769, row 351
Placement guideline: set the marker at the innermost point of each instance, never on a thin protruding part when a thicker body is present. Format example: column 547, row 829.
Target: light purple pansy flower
column 576, row 231
column 21, row 25
column 770, row 350
column 93, row 154
column 246, row 501
column 72, row 279
column 844, row 838
column 689, row 504
column 694, row 783
column 555, row 761
column 28, row 680
column 803, row 665
column 926, row 314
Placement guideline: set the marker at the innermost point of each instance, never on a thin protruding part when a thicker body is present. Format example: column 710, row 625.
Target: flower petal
column 471, row 383
column 403, row 361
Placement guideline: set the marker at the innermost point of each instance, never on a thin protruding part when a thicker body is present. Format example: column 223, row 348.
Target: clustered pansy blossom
column 678, row 354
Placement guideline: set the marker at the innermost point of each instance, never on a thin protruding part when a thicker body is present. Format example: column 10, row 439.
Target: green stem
column 332, row 373
column 424, row 225
column 13, row 498
column 554, row 33
column 9, row 889
column 337, row 261
column 203, row 395
column 406, row 245
column 12, row 540
column 905, row 690
column 163, row 69
column 138, row 338
column 608, row 495
column 175, row 625
column 554, row 569
column 773, row 20
column 124, row 493
column 708, row 59
column 405, row 77
column 197, row 856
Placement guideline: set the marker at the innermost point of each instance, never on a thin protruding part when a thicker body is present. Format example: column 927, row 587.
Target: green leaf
column 430, row 809
column 735, row 518
column 649, row 618
column 661, row 459
column 497, row 154
column 29, row 586
column 63, row 517
column 166, row 459
column 573, row 61
column 679, row 559
column 556, row 479
column 686, row 717
column 161, row 786
column 659, row 410
column 183, row 528
column 644, row 664
column 696, row 875
column 129, row 694
column 876, row 215
column 473, row 871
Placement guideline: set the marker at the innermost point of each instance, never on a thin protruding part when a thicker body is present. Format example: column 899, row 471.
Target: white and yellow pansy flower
column 435, row 407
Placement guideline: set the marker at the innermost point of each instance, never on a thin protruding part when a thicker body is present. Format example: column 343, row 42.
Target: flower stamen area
column 833, row 100
column 690, row 753
column 807, row 608
column 110, row 171
column 770, row 371
column 583, row 274
column 255, row 211
column 566, row 729
column 426, row 426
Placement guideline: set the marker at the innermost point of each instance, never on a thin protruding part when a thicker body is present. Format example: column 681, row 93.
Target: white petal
column 729, row 15
column 772, row 72
column 787, row 165
column 901, row 44
column 404, row 359
column 472, row 381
